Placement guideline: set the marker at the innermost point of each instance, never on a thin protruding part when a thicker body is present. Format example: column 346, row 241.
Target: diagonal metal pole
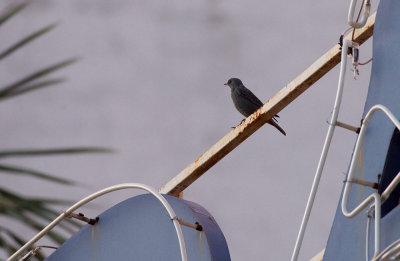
column 283, row 98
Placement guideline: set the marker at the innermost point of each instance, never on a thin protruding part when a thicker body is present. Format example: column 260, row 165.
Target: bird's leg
column 239, row 123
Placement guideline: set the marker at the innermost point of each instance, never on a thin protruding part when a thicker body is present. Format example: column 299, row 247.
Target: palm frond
column 48, row 215
column 20, row 83
column 12, row 235
column 35, row 213
column 11, row 12
column 52, row 152
column 8, row 243
column 21, row 209
column 26, row 40
column 33, row 87
column 35, row 225
column 11, row 202
column 52, row 201
column 16, row 170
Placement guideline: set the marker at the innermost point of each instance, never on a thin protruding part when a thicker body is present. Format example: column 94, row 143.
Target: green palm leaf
column 35, row 225
column 26, row 40
column 11, row 202
column 52, row 152
column 14, row 239
column 33, row 212
column 20, row 83
column 5, row 244
column 32, row 87
column 29, row 213
column 11, row 12
column 51, row 201
column 24, row 171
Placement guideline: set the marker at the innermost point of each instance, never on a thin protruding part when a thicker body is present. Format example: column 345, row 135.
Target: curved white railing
column 374, row 197
column 99, row 193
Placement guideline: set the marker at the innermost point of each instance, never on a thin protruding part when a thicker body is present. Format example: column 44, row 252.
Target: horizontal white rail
column 99, row 193
column 374, row 197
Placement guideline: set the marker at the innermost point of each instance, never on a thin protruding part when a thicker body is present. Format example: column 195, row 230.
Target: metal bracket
column 373, row 185
column 355, row 54
column 348, row 127
column 82, row 217
column 34, row 251
column 196, row 225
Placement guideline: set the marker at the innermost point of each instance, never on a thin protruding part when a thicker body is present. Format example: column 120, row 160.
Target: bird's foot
column 239, row 124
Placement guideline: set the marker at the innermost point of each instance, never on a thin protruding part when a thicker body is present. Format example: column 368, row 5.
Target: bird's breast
column 243, row 105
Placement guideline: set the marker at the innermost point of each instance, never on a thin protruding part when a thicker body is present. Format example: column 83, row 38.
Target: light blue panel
column 140, row 229
column 347, row 238
column 390, row 231
column 384, row 84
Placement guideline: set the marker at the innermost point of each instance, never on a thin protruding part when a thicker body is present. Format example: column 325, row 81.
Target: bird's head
column 233, row 82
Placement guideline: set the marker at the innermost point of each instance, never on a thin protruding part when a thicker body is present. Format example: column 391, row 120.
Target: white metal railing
column 325, row 149
column 99, row 193
column 374, row 197
column 389, row 253
column 334, row 122
column 364, row 18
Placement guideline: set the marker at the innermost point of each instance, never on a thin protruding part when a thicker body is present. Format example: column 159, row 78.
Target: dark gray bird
column 246, row 102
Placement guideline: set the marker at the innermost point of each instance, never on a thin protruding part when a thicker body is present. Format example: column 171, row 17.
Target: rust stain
column 93, row 241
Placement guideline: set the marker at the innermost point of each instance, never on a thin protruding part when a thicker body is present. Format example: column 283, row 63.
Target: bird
column 246, row 102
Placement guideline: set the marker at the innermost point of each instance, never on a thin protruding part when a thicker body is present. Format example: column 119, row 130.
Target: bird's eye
column 230, row 81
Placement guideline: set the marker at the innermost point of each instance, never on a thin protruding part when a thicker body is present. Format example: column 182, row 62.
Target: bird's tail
column 273, row 123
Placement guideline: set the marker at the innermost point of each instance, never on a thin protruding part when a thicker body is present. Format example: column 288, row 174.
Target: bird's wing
column 248, row 95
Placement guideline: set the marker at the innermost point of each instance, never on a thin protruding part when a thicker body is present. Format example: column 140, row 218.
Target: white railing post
column 101, row 193
column 374, row 197
column 325, row 150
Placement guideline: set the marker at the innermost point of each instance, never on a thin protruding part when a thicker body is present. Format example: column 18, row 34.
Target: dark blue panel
column 140, row 229
column 392, row 167
column 347, row 238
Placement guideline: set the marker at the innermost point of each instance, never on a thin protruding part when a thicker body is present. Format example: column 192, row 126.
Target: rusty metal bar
column 283, row 98
column 365, row 183
column 348, row 126
column 196, row 225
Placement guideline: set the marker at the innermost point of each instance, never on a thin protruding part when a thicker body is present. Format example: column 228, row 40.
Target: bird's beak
column 226, row 84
